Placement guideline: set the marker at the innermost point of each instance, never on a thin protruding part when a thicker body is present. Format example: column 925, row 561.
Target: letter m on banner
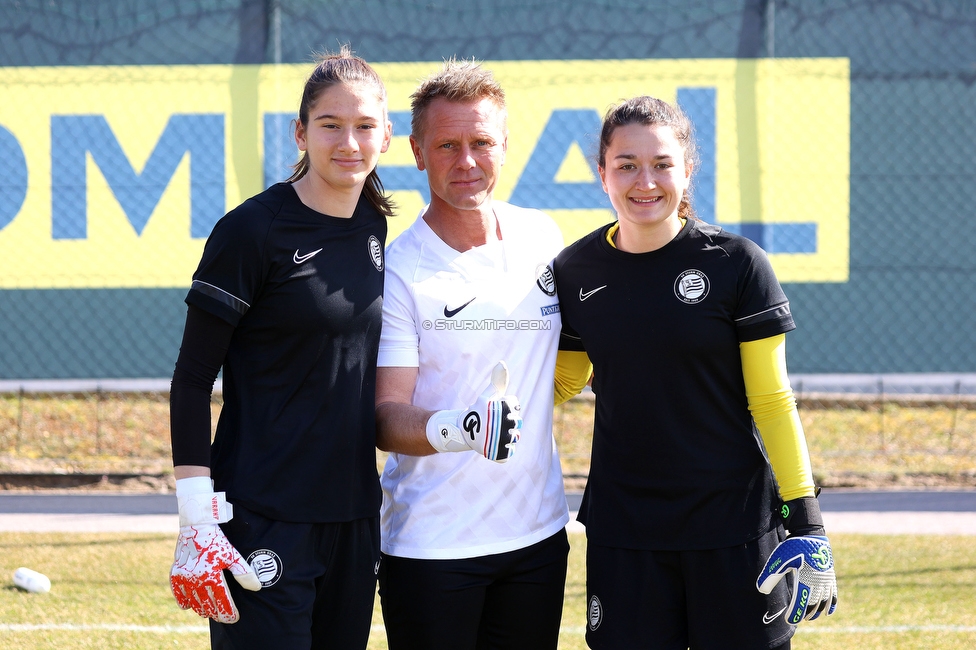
column 72, row 136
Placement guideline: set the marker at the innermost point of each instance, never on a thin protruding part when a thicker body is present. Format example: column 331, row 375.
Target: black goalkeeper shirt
column 677, row 462
column 296, row 436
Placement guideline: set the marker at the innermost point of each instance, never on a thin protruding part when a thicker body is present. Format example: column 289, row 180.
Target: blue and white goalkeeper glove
column 806, row 556
column 490, row 426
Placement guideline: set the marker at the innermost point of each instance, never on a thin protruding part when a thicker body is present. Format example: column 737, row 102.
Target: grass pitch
column 112, row 591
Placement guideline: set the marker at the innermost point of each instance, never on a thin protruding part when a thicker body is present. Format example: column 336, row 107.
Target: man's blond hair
column 458, row 81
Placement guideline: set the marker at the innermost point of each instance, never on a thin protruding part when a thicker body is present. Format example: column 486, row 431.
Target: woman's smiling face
column 645, row 175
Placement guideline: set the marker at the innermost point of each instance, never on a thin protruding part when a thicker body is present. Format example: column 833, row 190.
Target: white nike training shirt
column 454, row 315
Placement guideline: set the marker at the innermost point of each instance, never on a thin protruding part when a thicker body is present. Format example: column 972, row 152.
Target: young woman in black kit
column 288, row 300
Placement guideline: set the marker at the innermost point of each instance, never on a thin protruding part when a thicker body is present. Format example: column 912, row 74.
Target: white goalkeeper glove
column 490, row 426
column 203, row 552
column 806, row 556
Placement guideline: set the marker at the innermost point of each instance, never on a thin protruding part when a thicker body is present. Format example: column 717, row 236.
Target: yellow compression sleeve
column 573, row 370
column 773, row 407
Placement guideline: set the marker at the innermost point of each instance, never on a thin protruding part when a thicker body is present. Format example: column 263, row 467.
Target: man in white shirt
column 474, row 550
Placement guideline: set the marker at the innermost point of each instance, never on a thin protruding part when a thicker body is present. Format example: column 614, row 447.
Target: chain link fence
column 839, row 134
column 107, row 438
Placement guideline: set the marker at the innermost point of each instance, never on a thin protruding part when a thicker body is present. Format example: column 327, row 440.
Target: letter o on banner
column 13, row 177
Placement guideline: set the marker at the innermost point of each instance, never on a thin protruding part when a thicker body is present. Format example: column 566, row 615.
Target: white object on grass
column 31, row 580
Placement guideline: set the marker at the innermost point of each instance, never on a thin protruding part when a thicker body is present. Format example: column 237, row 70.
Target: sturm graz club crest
column 546, row 280
column 375, row 252
column 266, row 565
column 691, row 286
column 594, row 613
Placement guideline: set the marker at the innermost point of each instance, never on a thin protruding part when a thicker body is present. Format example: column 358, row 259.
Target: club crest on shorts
column 546, row 280
column 375, row 252
column 594, row 613
column 266, row 565
column 691, row 286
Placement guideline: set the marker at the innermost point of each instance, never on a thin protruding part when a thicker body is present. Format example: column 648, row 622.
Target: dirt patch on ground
column 129, row 483
column 897, row 480
column 919, row 480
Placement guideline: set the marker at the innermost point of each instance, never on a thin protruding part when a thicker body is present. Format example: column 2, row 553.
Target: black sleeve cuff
column 802, row 517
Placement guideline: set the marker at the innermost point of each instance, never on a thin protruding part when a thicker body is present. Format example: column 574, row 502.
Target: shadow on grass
column 67, row 543
column 849, row 575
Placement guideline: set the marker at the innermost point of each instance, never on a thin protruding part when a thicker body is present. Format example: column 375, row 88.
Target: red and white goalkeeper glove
column 203, row 552
column 490, row 426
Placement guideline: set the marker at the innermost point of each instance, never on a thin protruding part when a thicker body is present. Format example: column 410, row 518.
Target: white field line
column 105, row 627
column 380, row 629
column 858, row 629
column 882, row 629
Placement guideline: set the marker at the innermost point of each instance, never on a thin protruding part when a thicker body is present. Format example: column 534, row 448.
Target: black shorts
column 319, row 584
column 510, row 601
column 674, row 600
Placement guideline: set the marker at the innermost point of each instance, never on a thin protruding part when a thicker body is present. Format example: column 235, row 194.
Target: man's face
column 462, row 149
